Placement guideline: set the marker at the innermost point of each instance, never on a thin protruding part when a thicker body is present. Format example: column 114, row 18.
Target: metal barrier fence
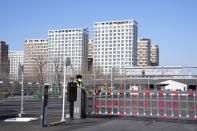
column 149, row 103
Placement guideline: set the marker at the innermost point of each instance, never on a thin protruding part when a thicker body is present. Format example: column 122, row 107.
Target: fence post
column 187, row 105
column 124, row 102
column 164, row 96
column 179, row 96
column 145, row 102
column 157, row 104
column 44, row 105
column 112, row 102
column 100, row 103
column 118, row 105
column 131, row 103
column 106, row 103
column 195, row 105
column 172, row 104
column 94, row 102
column 137, row 104
column 150, row 103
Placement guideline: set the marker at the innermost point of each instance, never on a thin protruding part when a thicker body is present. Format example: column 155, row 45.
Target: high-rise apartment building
column 90, row 48
column 115, row 45
column 154, row 55
column 143, row 52
column 71, row 43
column 35, row 61
column 15, row 57
column 4, row 61
column 90, row 55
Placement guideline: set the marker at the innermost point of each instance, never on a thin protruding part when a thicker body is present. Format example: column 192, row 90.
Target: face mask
column 79, row 79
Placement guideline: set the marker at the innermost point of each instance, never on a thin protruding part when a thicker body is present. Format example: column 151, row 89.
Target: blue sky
column 172, row 24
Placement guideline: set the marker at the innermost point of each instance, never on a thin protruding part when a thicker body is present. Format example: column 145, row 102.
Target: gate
column 146, row 103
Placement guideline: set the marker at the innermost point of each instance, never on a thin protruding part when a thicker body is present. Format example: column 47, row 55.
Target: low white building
column 133, row 88
column 15, row 57
column 172, row 85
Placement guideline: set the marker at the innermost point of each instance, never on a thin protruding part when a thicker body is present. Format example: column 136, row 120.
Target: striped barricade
column 163, row 104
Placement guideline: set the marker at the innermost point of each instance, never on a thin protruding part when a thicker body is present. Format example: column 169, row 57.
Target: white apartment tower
column 115, row 45
column 71, row 43
column 90, row 48
column 15, row 57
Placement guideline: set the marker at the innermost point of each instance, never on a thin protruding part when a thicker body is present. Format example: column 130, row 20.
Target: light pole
column 20, row 118
column 112, row 77
column 21, row 70
column 22, row 94
column 66, row 63
column 148, row 83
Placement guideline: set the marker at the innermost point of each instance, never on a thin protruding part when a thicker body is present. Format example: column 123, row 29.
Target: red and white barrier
column 147, row 103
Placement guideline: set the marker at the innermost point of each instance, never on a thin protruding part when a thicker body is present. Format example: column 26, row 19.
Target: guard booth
column 77, row 101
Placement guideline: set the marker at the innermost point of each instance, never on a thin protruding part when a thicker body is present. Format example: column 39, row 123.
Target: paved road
column 92, row 123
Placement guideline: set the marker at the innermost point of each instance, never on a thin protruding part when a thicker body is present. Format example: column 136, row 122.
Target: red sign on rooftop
column 121, row 22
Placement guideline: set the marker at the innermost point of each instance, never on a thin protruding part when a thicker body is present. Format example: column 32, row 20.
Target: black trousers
column 83, row 104
column 71, row 104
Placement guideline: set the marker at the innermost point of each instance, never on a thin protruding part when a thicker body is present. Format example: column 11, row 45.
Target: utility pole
column 21, row 70
column 66, row 63
column 112, row 78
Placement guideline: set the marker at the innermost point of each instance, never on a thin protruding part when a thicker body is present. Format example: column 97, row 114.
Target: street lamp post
column 21, row 70
column 22, row 94
column 64, row 88
column 20, row 118
column 112, row 78
column 148, row 84
column 66, row 63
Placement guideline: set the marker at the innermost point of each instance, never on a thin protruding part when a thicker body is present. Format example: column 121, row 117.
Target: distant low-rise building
column 172, row 86
column 155, row 71
column 143, row 52
column 154, row 55
column 15, row 57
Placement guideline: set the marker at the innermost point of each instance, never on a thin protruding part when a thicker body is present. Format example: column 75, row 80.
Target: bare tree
column 40, row 70
column 11, row 89
column 58, row 72
column 29, row 89
column 98, row 76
